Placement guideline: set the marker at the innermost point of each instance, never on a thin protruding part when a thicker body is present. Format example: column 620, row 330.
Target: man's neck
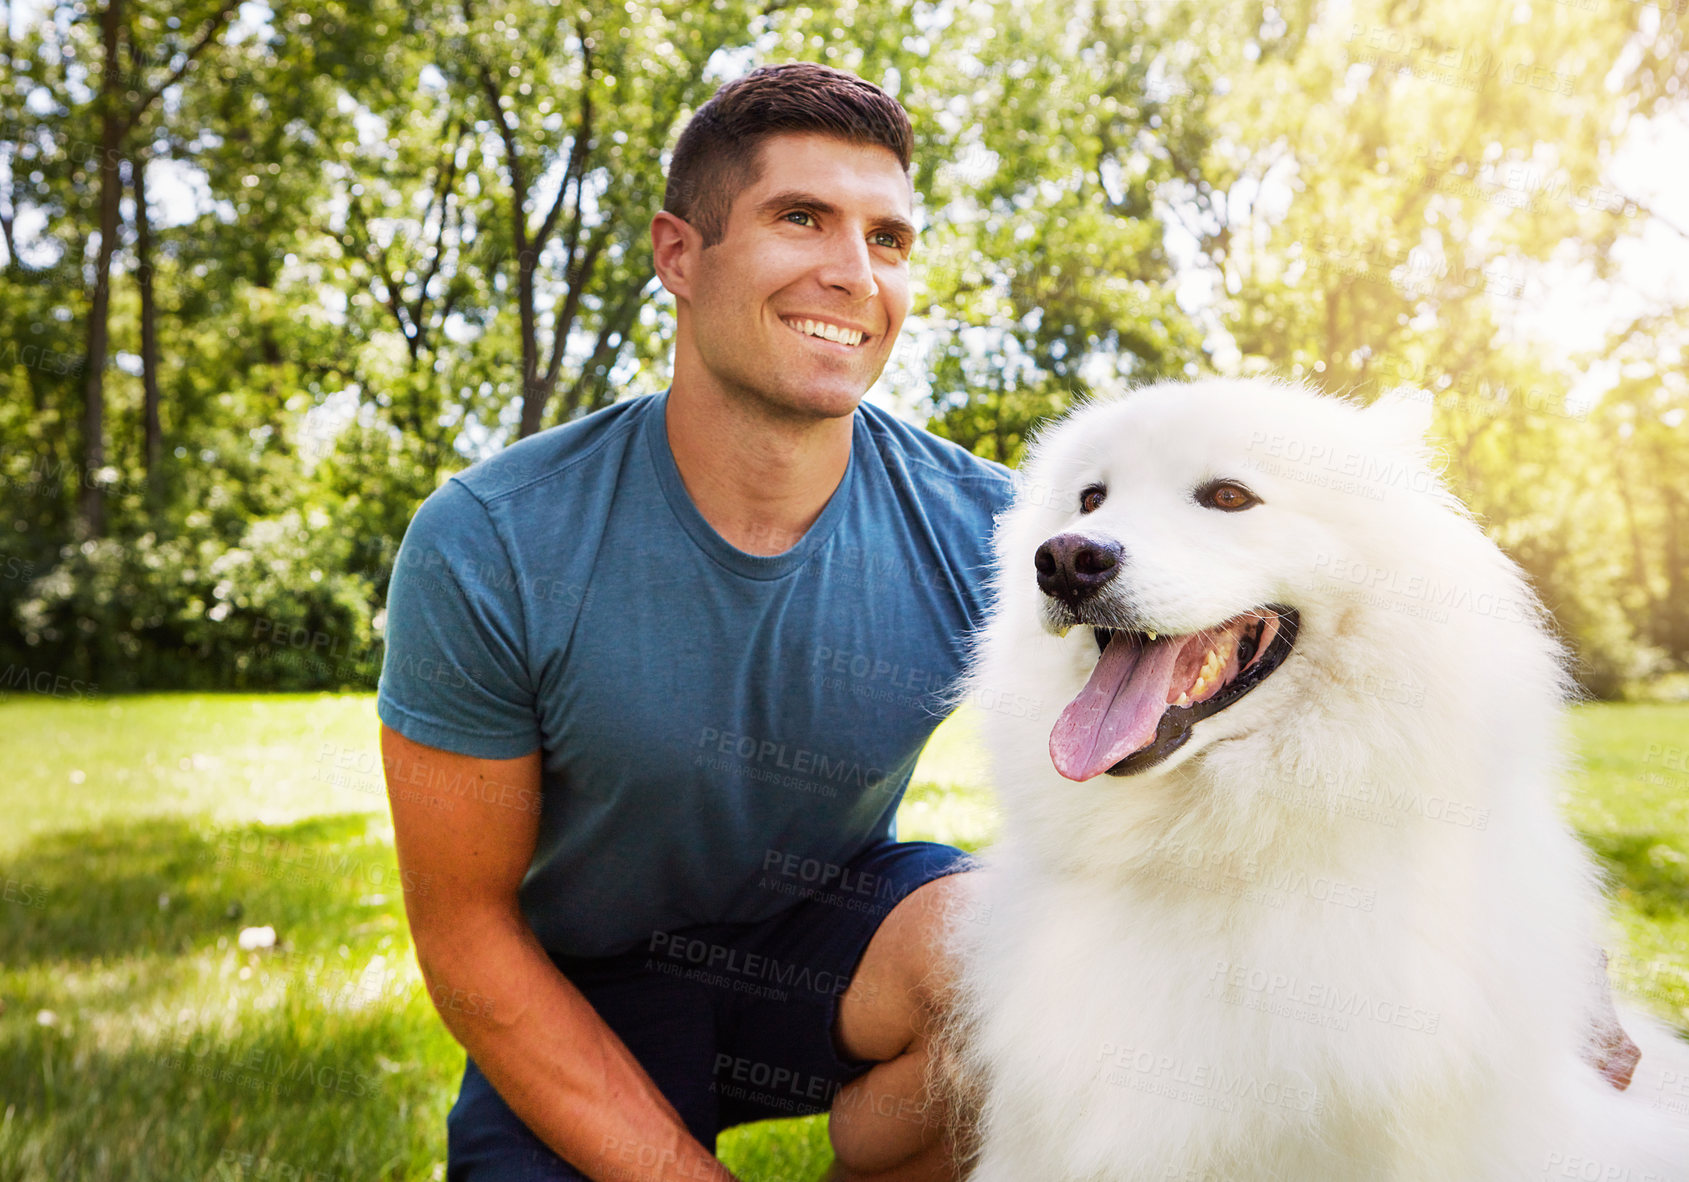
column 759, row 478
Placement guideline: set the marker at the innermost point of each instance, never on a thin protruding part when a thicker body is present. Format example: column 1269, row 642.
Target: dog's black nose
column 1073, row 567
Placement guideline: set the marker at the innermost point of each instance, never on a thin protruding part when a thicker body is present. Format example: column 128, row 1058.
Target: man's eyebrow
column 899, row 226
column 799, row 199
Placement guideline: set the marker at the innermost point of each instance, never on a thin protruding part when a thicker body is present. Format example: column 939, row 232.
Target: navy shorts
column 734, row 1022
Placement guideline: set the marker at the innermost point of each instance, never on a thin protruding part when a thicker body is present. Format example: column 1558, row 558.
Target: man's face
column 818, row 245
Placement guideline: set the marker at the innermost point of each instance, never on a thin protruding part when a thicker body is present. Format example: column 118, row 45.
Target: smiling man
column 656, row 681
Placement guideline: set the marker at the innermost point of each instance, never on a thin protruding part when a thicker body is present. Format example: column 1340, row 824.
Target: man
column 656, row 680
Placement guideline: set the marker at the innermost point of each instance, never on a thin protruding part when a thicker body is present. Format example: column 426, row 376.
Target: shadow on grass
column 165, row 1052
column 138, row 1041
column 1646, row 871
column 301, row 1090
column 171, row 886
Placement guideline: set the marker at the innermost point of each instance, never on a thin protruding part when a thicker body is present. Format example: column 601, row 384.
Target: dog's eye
column 1092, row 498
column 1226, row 495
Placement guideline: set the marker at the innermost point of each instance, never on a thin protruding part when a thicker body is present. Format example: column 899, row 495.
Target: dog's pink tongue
column 1119, row 708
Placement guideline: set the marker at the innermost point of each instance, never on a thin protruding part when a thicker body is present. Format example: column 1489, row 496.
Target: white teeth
column 1151, row 635
column 1214, row 663
column 827, row 332
column 1207, row 677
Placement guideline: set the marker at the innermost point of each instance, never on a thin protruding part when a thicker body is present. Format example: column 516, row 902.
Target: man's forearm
column 561, row 1069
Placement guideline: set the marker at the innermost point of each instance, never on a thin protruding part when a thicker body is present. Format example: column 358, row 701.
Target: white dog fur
column 1343, row 934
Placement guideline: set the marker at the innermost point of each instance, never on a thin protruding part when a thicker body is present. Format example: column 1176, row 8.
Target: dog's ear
column 1406, row 410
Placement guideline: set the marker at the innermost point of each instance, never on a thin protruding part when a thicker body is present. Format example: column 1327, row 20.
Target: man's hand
column 535, row 1037
column 1610, row 1050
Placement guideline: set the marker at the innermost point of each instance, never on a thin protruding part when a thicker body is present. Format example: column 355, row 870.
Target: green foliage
column 1050, row 271
column 275, row 605
column 421, row 229
column 1415, row 182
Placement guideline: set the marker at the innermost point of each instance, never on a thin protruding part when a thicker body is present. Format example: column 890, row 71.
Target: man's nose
column 1073, row 567
column 849, row 269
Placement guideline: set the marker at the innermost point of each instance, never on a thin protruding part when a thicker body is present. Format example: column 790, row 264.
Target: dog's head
column 1184, row 560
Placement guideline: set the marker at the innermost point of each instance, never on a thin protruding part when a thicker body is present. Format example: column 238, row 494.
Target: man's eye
column 891, row 240
column 799, row 213
column 1226, row 495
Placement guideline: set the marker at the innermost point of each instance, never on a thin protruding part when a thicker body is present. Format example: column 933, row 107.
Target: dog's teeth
column 1204, row 681
column 1151, row 635
column 1064, row 630
column 1182, row 700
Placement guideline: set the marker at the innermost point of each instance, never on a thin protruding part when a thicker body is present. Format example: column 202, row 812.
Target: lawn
column 141, row 835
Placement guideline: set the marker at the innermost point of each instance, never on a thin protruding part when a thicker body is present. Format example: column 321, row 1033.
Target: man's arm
column 532, row 1033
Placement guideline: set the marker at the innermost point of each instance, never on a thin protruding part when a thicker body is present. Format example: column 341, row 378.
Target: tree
column 1408, row 182
column 420, row 232
column 120, row 105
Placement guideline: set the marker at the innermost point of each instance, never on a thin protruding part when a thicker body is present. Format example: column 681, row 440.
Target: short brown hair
column 718, row 154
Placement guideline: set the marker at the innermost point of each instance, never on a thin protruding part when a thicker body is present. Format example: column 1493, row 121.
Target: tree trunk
column 1673, row 632
column 112, row 121
column 533, row 394
column 9, row 214
column 1638, row 564
column 150, row 429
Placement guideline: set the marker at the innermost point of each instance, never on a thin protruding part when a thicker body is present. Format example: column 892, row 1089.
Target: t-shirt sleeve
column 455, row 675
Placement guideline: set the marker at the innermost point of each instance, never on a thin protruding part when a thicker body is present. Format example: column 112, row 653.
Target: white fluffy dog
column 1283, row 892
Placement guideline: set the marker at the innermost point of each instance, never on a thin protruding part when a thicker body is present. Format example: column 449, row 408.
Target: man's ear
column 675, row 247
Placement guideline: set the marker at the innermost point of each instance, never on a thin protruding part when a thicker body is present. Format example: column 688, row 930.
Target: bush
column 275, row 608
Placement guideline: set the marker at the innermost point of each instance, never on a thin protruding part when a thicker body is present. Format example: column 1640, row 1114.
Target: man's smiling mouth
column 822, row 330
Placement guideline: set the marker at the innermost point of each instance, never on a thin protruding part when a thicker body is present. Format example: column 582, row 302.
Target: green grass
column 138, row 1042
column 1631, row 804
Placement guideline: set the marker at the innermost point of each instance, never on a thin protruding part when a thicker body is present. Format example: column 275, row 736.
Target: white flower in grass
column 252, row 939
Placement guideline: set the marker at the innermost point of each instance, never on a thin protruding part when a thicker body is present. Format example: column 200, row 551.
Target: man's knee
column 899, row 988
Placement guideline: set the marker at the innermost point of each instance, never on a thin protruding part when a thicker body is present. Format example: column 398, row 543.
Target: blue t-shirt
column 717, row 728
